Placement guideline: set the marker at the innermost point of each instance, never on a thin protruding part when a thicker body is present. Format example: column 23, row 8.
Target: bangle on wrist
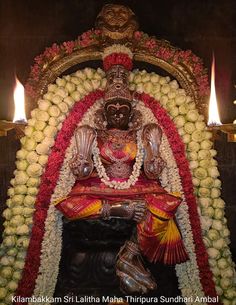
column 106, row 210
column 130, row 211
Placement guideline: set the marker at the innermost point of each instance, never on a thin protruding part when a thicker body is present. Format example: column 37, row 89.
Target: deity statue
column 117, row 165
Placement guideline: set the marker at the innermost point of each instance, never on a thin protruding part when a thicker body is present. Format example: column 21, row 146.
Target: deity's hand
column 81, row 167
column 82, row 164
column 153, row 167
column 129, row 209
column 153, row 163
column 139, row 207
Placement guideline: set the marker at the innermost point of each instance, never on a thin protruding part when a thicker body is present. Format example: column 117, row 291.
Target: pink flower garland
column 51, row 174
column 175, row 56
column 42, row 61
column 178, row 149
column 150, row 44
column 47, row 186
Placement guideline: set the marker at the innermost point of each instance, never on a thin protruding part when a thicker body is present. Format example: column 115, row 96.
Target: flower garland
column 163, row 120
column 50, row 254
column 117, row 54
column 53, row 53
column 188, row 272
column 117, row 59
column 136, row 168
column 33, row 156
column 178, row 149
column 150, row 44
column 48, row 183
column 52, row 240
column 166, row 52
column 117, row 48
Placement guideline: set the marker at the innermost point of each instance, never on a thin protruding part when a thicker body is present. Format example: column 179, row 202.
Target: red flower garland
column 178, row 149
column 175, row 56
column 149, row 44
column 117, row 59
column 42, row 61
column 51, row 174
column 47, row 186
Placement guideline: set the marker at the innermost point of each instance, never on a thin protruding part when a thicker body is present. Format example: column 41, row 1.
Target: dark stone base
column 88, row 263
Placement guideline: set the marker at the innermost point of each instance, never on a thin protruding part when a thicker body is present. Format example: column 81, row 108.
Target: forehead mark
column 118, row 106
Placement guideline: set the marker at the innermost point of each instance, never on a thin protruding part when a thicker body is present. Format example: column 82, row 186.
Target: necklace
column 118, row 169
column 113, row 158
column 117, row 138
column 136, row 168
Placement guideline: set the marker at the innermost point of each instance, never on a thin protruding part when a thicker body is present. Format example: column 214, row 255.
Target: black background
column 27, row 27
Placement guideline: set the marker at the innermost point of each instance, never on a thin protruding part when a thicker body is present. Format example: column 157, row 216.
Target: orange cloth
column 80, row 207
column 158, row 235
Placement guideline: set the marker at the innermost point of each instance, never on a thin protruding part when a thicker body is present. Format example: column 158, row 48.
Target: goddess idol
column 117, row 165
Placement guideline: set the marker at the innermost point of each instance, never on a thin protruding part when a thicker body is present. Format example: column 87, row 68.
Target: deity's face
column 118, row 113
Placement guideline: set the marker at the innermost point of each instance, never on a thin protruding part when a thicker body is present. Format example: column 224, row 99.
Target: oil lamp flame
column 19, row 101
column 213, row 113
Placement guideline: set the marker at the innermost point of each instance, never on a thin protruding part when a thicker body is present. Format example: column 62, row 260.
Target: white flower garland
column 52, row 241
column 47, row 120
column 192, row 129
column 187, row 270
column 187, row 273
column 117, row 48
column 136, row 168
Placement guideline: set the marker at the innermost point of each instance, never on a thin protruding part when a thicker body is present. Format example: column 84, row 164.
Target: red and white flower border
column 117, row 54
column 46, row 281
column 63, row 141
column 151, row 45
column 55, row 161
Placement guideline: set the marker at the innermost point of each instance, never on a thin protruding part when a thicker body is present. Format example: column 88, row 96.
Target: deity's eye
column 123, row 14
column 109, row 14
column 124, row 110
column 110, row 79
column 124, row 76
column 112, row 110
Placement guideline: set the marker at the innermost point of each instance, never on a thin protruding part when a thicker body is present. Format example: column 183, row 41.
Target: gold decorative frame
column 119, row 29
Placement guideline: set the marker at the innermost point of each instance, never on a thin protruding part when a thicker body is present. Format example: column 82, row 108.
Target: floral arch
column 32, row 235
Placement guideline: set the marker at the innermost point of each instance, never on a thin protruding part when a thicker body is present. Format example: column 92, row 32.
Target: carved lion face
column 116, row 15
column 117, row 21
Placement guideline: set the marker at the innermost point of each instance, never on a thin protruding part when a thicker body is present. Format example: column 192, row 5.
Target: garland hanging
column 31, row 158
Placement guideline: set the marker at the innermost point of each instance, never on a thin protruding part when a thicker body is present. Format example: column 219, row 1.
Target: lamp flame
column 19, row 101
column 213, row 113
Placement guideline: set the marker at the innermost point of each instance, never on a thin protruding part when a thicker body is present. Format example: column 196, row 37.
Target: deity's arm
column 78, row 205
column 87, row 207
column 82, row 163
column 153, row 163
